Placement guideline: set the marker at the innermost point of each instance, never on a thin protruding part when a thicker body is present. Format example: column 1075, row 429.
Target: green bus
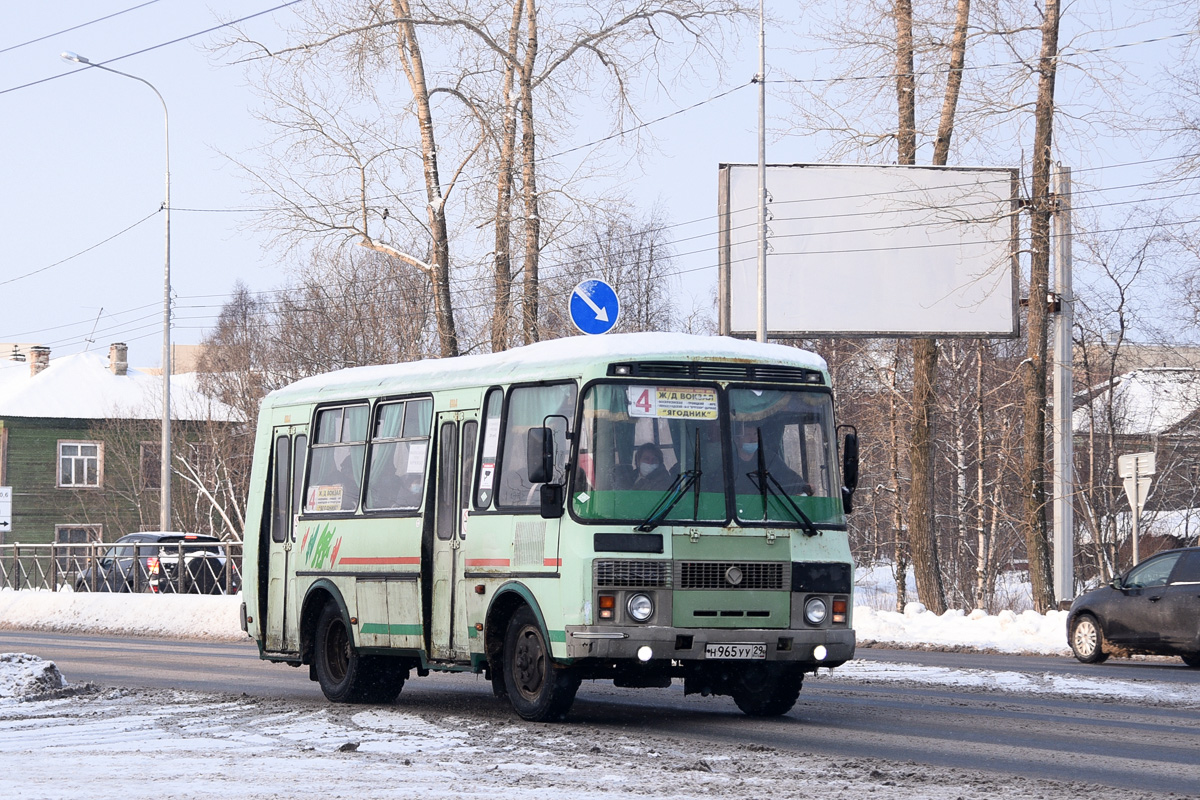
column 637, row 508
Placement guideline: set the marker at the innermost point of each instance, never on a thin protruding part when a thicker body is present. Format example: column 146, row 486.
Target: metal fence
column 179, row 567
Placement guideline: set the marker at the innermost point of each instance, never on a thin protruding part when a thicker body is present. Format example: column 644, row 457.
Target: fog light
column 819, row 652
column 645, row 653
column 815, row 611
column 640, row 607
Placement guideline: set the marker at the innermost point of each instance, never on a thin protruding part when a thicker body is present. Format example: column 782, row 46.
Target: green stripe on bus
column 558, row 636
column 382, row 628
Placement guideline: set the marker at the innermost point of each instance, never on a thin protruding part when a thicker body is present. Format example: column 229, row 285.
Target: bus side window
column 336, row 468
column 470, row 434
column 399, row 446
column 490, row 450
column 529, row 407
column 282, row 493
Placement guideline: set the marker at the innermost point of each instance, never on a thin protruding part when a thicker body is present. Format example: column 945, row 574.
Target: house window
column 79, row 464
column 151, row 458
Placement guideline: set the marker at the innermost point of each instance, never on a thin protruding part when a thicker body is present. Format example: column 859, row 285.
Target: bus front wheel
column 344, row 675
column 539, row 690
column 767, row 692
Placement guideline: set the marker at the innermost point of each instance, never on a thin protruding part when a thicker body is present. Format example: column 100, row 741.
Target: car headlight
column 640, row 607
column 815, row 611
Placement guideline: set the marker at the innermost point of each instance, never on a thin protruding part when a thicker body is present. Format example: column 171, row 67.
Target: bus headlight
column 815, row 611
column 640, row 607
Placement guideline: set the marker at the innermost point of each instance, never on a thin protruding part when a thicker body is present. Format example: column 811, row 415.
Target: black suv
column 149, row 562
column 1153, row 608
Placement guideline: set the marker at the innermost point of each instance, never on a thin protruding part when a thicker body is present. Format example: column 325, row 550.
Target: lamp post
column 164, row 516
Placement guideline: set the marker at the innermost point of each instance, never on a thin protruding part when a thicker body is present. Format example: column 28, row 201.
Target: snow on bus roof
column 565, row 356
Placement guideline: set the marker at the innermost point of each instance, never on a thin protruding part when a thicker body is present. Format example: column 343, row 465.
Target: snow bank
column 23, row 675
column 1007, row 632
column 171, row 615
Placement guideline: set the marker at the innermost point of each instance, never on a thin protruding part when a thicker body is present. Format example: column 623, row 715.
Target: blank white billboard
column 871, row 250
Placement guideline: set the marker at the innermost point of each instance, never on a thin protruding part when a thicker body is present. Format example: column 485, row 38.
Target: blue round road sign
column 594, row 307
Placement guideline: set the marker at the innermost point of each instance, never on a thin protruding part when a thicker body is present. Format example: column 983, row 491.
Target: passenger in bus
column 343, row 474
column 395, row 486
column 651, row 474
column 746, row 464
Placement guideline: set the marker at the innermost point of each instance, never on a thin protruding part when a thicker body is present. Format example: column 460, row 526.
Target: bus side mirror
column 539, row 452
column 849, row 470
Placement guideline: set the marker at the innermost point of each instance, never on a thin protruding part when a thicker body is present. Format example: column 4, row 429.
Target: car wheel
column 1087, row 640
column 344, row 675
column 768, row 693
column 1192, row 660
column 539, row 690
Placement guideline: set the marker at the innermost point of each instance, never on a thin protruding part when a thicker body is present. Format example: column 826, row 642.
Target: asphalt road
column 1118, row 745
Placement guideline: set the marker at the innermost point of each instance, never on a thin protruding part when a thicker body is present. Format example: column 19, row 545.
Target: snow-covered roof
column 82, row 386
column 568, row 356
column 1145, row 401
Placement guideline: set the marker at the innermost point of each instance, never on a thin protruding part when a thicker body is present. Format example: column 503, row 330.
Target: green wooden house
column 80, row 442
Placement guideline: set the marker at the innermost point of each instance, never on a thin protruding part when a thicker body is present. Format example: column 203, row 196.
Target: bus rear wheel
column 539, row 690
column 344, row 675
column 768, row 692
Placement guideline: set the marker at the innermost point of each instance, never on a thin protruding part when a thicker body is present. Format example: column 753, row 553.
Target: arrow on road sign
column 601, row 313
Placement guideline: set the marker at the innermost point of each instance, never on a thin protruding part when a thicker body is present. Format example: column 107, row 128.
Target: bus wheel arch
column 318, row 596
column 505, row 602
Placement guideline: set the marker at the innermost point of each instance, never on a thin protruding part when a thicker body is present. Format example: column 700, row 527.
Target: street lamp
column 164, row 516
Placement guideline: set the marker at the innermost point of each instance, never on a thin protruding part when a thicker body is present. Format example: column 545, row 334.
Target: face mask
column 750, row 447
column 647, row 468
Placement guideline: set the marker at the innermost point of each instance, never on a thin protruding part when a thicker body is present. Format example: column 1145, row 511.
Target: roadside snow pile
column 23, row 675
column 1027, row 632
column 170, row 615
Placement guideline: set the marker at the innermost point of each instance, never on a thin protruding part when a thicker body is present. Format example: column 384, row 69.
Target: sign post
column 1136, row 469
column 5, row 511
column 594, row 307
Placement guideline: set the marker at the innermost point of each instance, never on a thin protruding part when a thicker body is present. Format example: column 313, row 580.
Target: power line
column 153, row 47
column 81, row 252
column 76, row 27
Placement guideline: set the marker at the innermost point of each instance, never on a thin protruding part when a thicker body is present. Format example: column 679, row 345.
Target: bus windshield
column 658, row 454
column 640, row 446
column 783, row 456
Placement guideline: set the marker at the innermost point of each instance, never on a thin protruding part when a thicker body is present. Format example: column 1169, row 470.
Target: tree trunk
column 1033, row 462
column 414, row 70
column 533, row 224
column 502, row 259
column 921, row 531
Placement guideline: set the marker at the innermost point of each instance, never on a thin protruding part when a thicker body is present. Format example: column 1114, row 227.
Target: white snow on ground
column 59, row 740
column 128, row 745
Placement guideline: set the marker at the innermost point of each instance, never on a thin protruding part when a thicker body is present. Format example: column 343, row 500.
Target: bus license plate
column 735, row 651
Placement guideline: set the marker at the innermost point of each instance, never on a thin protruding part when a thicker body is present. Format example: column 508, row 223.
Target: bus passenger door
column 457, row 432
column 288, row 452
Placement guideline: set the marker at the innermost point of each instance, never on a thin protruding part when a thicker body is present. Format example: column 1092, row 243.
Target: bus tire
column 539, row 690
column 772, row 694
column 344, row 675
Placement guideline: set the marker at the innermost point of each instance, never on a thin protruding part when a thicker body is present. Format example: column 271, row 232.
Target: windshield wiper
column 675, row 492
column 764, row 479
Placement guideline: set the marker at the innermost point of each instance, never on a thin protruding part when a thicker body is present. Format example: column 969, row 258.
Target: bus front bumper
column 815, row 647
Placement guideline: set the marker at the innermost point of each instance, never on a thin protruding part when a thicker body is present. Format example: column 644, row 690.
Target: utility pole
column 1063, row 488
column 762, row 176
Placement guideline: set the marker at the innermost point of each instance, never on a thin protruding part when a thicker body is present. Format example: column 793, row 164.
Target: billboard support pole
column 1064, row 465
column 762, row 176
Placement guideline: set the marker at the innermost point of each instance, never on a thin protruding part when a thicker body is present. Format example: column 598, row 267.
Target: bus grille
column 640, row 574
column 717, row 574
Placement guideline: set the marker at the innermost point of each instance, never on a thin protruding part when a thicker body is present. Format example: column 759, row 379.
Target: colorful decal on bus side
column 321, row 546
